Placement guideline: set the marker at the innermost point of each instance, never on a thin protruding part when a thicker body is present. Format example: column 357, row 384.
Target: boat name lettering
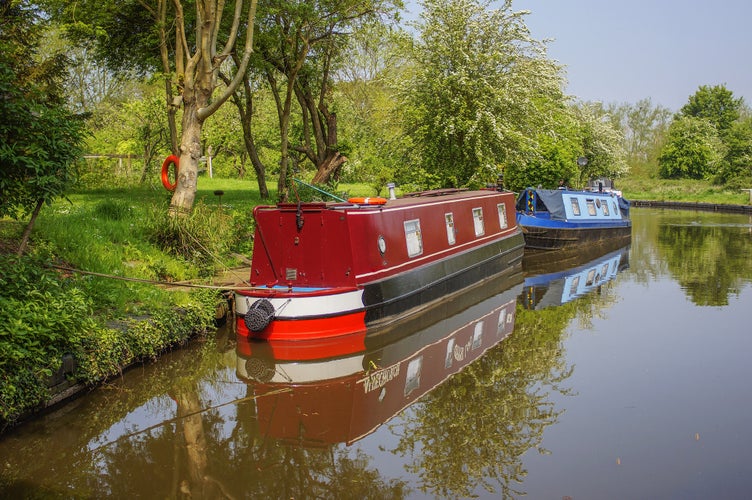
column 379, row 379
column 460, row 352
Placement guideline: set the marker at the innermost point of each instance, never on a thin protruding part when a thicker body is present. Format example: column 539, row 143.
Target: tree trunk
column 321, row 149
column 245, row 110
column 328, row 167
column 29, row 227
column 190, row 154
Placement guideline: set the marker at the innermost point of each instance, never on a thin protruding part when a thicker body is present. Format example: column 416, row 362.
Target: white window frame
column 502, row 208
column 451, row 233
column 480, row 228
column 413, row 238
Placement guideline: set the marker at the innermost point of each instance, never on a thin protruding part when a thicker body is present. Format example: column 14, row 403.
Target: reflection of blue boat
column 561, row 286
column 560, row 219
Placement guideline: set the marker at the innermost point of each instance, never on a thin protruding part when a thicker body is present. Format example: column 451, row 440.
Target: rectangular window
column 575, row 206
column 605, row 208
column 449, row 354
column 478, row 221
column 413, row 237
column 412, row 380
column 590, row 207
column 502, row 322
column 502, row 215
column 449, row 219
column 477, row 335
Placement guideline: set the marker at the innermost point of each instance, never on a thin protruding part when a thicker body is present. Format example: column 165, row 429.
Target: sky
column 622, row 52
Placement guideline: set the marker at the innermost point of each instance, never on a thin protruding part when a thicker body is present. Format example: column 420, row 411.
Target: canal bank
column 687, row 205
column 64, row 385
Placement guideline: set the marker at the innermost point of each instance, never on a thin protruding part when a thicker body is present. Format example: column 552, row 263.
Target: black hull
column 419, row 289
column 548, row 239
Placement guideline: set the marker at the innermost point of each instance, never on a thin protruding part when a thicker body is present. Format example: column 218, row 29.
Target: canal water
column 619, row 374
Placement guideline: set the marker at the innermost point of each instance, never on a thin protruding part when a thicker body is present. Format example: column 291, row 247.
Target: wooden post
column 209, row 162
column 750, row 195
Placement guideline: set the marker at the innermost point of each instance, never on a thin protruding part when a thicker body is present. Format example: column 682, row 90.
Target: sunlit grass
column 685, row 190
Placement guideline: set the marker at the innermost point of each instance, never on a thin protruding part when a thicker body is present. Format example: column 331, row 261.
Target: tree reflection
column 709, row 257
column 476, row 427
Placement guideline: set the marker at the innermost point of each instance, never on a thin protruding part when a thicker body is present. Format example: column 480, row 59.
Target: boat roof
column 409, row 199
column 553, row 199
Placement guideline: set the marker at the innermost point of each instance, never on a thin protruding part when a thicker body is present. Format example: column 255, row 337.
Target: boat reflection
column 559, row 281
column 317, row 394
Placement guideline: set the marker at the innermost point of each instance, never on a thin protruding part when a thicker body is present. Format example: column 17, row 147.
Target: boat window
column 451, row 235
column 502, row 215
column 616, row 209
column 413, row 237
column 449, row 354
column 591, row 207
column 502, row 321
column 605, row 208
column 477, row 335
column 412, row 380
column 575, row 206
column 574, row 285
column 478, row 221
column 590, row 278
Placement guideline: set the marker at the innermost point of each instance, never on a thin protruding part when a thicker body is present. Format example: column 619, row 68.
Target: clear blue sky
column 662, row 49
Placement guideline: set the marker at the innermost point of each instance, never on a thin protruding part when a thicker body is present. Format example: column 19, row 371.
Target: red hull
column 324, row 270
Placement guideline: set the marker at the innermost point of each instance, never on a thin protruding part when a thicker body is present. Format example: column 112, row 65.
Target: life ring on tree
column 170, row 160
column 367, row 201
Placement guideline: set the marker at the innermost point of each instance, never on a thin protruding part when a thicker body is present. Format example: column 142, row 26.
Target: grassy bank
column 681, row 190
column 50, row 314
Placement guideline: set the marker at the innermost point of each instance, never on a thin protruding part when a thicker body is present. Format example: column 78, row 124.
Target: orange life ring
column 367, row 201
column 172, row 159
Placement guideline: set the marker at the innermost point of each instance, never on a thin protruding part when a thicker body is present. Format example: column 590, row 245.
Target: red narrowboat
column 321, row 270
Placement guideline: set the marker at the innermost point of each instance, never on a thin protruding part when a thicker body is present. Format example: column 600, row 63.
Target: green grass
column 685, row 190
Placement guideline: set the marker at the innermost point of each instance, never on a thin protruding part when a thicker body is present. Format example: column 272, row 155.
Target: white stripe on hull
column 301, row 373
column 301, row 307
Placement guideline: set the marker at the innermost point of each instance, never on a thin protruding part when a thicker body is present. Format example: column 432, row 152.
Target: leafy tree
column 134, row 34
column 601, row 145
column 555, row 158
column 692, row 150
column 39, row 138
column 299, row 44
column 366, row 100
column 715, row 104
column 737, row 165
column 643, row 126
column 480, row 90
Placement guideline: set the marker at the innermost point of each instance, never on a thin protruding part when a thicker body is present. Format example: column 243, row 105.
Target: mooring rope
column 151, row 282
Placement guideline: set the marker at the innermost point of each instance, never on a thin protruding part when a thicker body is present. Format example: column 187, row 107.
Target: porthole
column 382, row 245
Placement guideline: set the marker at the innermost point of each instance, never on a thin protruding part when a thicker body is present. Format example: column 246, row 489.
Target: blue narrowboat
column 562, row 219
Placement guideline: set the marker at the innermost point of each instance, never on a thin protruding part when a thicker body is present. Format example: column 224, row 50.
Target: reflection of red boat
column 326, row 269
column 317, row 401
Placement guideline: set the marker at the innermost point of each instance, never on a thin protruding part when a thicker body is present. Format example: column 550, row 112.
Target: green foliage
column 45, row 315
column 42, row 140
column 200, row 238
column 553, row 160
column 480, row 92
column 692, row 150
column 715, row 104
column 736, row 168
column 708, row 140
column 643, row 126
column 601, row 145
column 41, row 318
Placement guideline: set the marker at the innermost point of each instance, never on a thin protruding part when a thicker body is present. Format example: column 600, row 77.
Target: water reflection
column 588, row 272
column 709, row 258
column 453, row 397
column 313, row 394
